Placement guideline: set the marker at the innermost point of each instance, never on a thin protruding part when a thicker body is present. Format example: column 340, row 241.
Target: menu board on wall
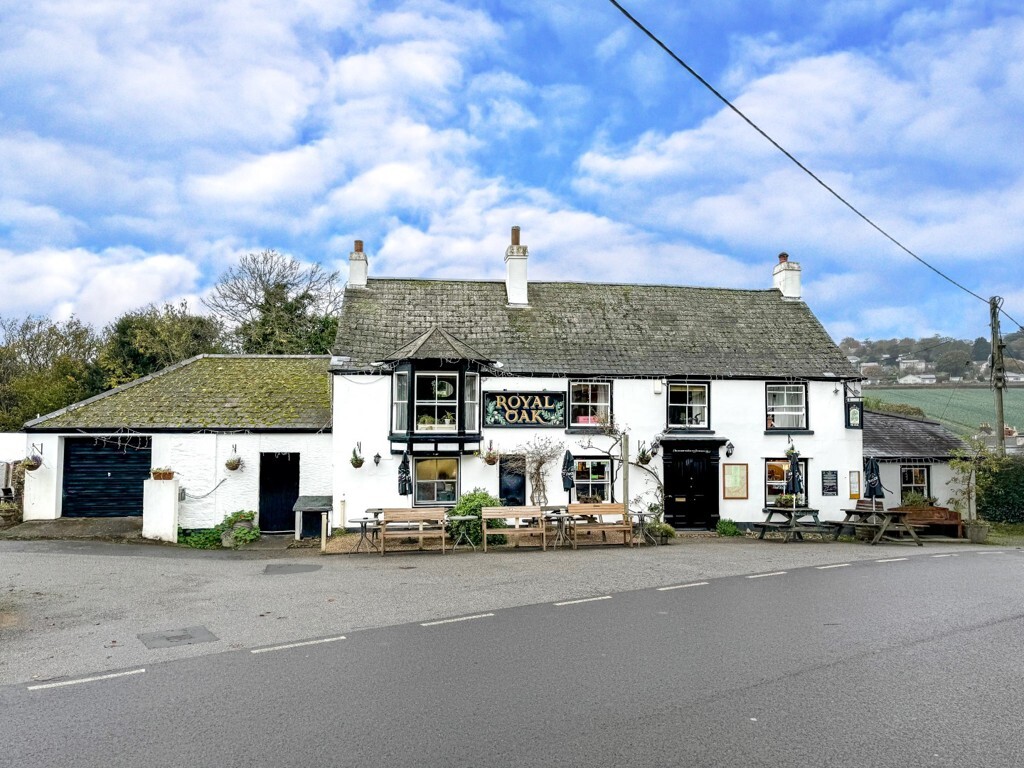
column 829, row 482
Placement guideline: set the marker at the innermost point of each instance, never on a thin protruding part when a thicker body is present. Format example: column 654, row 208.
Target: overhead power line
column 786, row 152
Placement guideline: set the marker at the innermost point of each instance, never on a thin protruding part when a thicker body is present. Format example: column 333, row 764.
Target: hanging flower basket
column 162, row 473
column 491, row 457
column 32, row 462
column 233, row 462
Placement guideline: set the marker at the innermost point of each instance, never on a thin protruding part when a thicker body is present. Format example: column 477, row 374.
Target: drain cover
column 175, row 637
column 282, row 570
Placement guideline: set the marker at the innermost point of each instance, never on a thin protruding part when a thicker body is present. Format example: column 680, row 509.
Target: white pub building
column 713, row 386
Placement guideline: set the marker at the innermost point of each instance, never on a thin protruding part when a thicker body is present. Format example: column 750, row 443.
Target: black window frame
column 461, row 370
column 774, row 429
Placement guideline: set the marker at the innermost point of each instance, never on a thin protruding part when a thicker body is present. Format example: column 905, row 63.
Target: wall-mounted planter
column 32, row 463
column 233, row 463
column 162, row 474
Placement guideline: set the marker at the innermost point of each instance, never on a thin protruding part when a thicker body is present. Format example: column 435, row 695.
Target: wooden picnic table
column 880, row 522
column 792, row 523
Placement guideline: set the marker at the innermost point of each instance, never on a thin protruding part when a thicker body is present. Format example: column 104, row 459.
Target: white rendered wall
column 43, row 486
column 940, row 482
column 362, row 413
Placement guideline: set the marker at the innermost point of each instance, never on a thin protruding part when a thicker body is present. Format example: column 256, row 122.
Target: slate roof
column 210, row 392
column 890, row 437
column 594, row 329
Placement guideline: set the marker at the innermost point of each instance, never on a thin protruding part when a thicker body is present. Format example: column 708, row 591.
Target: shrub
column 470, row 504
column 1001, row 490
column 727, row 527
column 199, row 538
column 210, row 538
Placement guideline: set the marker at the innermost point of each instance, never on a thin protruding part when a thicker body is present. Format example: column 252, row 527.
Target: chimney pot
column 783, row 257
column 359, row 246
column 786, row 277
column 515, row 235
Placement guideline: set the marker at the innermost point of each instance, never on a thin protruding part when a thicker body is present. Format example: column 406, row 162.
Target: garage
column 104, row 478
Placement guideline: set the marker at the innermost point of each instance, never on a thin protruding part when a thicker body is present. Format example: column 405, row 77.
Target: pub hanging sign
column 524, row 409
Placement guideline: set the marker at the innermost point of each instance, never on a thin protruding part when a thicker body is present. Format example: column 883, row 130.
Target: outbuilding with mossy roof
column 237, row 431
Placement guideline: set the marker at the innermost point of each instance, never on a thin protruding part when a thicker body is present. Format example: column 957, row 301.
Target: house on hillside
column 268, row 417
column 913, row 455
column 434, row 373
column 917, row 378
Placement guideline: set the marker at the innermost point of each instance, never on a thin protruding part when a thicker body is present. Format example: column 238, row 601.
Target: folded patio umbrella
column 872, row 481
column 794, row 481
column 568, row 471
column 404, row 478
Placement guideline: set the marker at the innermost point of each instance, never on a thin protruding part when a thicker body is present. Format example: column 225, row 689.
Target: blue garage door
column 103, row 478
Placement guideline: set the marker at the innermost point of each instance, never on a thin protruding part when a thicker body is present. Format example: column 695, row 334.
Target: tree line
column 268, row 303
column 950, row 356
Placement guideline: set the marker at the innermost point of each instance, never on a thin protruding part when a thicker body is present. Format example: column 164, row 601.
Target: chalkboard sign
column 829, row 482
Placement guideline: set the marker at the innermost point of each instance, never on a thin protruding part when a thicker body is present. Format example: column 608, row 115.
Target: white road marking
column 682, row 586
column 762, row 575
column 297, row 645
column 585, row 600
column 996, row 552
column 837, row 565
column 86, row 680
column 948, row 554
column 452, row 621
column 891, row 560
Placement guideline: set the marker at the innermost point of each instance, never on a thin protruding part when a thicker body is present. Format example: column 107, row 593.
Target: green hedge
column 1001, row 491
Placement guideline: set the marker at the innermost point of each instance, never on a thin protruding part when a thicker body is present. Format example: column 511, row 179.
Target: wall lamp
column 376, row 459
column 729, row 448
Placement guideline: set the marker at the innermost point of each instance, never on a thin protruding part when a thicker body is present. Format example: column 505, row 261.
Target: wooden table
column 885, row 521
column 791, row 523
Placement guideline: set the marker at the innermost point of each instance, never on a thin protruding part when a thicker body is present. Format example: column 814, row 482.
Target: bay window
column 437, row 402
column 400, row 402
column 472, row 402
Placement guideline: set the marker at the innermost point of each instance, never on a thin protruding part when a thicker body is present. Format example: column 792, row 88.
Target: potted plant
column 162, row 473
column 426, row 420
column 448, row 419
column 32, row 462
column 234, row 462
column 490, row 456
column 643, row 454
column 357, row 458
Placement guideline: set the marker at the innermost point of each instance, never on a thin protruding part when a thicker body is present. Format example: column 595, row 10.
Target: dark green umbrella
column 872, row 481
column 404, row 477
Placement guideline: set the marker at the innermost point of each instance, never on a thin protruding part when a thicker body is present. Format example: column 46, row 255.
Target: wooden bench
column 926, row 517
column 526, row 521
column 593, row 519
column 418, row 522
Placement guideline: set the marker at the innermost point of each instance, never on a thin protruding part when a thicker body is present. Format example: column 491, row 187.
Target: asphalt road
column 910, row 658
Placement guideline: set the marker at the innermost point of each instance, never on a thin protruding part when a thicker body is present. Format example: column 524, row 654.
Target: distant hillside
column 961, row 409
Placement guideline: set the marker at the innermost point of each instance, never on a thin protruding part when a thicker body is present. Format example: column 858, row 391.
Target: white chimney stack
column 357, row 267
column 786, row 277
column 515, row 271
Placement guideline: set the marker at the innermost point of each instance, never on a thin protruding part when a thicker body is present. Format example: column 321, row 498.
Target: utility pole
column 998, row 371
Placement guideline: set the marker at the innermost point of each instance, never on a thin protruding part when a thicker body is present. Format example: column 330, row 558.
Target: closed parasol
column 404, row 477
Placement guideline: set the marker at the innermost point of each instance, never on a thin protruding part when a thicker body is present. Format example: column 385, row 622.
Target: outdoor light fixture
column 729, row 448
column 376, row 459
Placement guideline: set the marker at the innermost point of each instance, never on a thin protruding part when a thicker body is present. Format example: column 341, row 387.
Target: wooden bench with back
column 595, row 517
column 526, row 521
column 416, row 523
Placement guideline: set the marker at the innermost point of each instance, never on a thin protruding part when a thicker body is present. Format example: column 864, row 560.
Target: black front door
column 691, row 488
column 279, row 489
column 511, row 484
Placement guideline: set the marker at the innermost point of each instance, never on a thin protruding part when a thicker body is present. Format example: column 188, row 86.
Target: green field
column 961, row 409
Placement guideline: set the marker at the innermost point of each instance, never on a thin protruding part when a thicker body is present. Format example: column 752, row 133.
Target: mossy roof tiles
column 211, row 392
column 594, row 329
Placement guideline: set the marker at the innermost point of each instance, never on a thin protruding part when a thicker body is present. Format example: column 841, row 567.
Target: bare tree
column 533, row 460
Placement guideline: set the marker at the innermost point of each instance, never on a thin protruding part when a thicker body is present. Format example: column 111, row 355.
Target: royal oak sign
column 524, row 409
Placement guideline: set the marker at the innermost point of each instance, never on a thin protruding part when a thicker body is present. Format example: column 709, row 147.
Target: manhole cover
column 282, row 570
column 172, row 638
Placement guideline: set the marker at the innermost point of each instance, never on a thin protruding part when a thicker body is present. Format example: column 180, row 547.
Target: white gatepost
column 160, row 510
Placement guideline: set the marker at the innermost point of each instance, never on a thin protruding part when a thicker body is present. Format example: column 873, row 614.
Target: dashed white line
column 682, row 586
column 458, row 618
column 86, row 680
column 297, row 645
column 584, row 600
column 837, row 565
column 996, row 552
column 948, row 554
column 891, row 560
column 763, row 575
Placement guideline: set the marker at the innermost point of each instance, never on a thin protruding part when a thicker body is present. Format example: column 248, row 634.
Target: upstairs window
column 472, row 403
column 589, row 403
column 688, row 406
column 400, row 402
column 437, row 402
column 786, row 406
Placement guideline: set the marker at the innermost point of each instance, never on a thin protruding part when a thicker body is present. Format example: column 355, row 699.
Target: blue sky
column 145, row 146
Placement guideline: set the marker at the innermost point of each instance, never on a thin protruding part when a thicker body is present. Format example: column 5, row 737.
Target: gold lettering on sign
column 499, row 401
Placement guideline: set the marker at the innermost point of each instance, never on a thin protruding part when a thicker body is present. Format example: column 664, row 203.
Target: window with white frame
column 472, row 402
column 437, row 481
column 786, row 406
column 688, row 405
column 913, row 480
column 437, row 402
column 400, row 402
column 776, row 473
column 589, row 403
column 593, row 480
